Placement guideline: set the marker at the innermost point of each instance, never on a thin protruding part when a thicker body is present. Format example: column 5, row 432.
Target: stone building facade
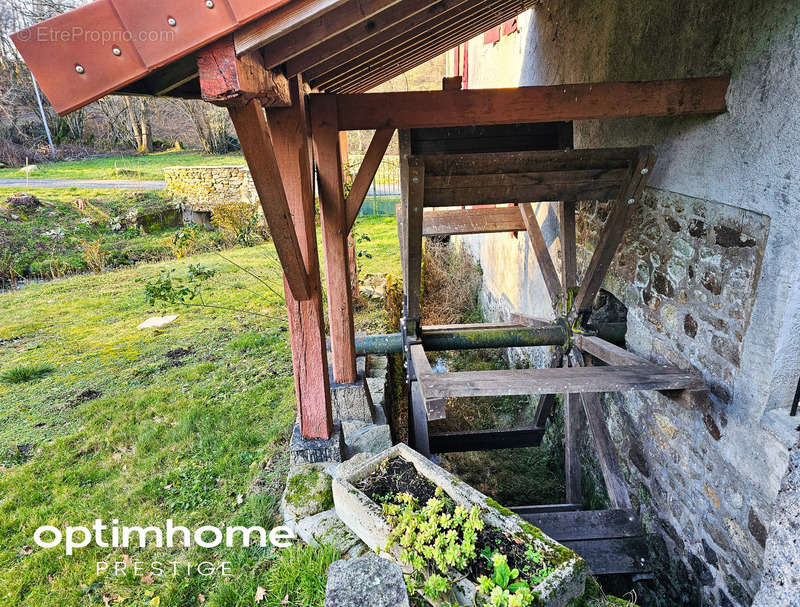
column 707, row 269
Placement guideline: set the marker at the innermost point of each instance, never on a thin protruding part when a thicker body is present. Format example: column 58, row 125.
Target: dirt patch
column 396, row 476
column 176, row 356
column 86, row 396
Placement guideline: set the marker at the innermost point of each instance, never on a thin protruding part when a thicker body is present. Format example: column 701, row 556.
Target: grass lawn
column 101, row 420
column 147, row 167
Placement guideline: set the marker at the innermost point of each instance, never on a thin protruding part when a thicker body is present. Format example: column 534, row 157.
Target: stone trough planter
column 365, row 518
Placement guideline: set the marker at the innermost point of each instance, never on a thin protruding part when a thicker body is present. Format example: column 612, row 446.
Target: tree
column 211, row 124
column 139, row 124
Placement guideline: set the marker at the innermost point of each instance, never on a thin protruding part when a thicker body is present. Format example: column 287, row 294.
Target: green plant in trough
column 25, row 373
column 504, row 588
column 436, row 539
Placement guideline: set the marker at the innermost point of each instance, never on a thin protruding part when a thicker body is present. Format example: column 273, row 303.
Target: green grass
column 148, row 425
column 25, row 373
column 128, row 167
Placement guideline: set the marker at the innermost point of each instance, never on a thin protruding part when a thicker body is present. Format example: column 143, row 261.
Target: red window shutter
column 510, row 26
column 492, row 36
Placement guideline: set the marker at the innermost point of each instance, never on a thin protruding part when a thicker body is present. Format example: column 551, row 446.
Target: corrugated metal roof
column 147, row 46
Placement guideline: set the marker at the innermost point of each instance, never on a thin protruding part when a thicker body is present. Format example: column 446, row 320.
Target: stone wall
column 206, row 186
column 707, row 268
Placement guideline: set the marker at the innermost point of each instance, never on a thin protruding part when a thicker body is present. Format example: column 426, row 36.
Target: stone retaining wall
column 204, row 187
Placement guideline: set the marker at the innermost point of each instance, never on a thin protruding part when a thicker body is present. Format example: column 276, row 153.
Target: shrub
column 94, row 256
column 25, row 373
column 238, row 222
column 451, row 284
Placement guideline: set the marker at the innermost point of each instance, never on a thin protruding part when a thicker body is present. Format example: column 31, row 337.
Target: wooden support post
column 366, row 173
column 573, row 422
column 291, row 140
column 413, row 212
column 334, row 237
column 606, row 454
column 542, row 253
column 569, row 259
column 546, row 401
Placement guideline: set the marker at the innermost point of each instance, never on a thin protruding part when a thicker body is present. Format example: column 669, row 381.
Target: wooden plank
column 539, row 245
column 536, row 160
column 612, row 176
column 421, row 369
column 472, row 221
column 251, row 127
column 281, row 22
column 573, row 424
column 366, row 173
column 409, row 31
column 421, row 109
column 614, row 556
column 413, row 215
column 607, row 352
column 486, row 440
column 613, row 230
column 606, row 453
column 569, row 258
column 525, row 511
column 520, row 137
column 586, row 190
column 587, row 524
column 553, row 381
column 228, row 80
column 334, row 22
column 360, row 31
column 289, row 130
column 401, row 56
column 419, row 421
column 334, row 237
column 530, row 321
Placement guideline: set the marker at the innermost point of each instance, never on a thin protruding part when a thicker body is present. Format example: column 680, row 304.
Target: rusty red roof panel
column 92, row 51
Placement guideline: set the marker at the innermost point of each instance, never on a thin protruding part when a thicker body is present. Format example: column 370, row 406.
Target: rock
column 23, row 202
column 325, row 528
column 367, row 580
column 308, row 492
column 351, row 401
column 158, row 322
column 316, row 450
column 369, row 439
column 351, row 426
column 377, row 388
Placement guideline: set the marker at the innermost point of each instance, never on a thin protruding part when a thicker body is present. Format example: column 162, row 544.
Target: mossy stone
column 308, row 491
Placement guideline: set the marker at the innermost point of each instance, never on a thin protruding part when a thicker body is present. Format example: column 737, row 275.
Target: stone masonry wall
column 205, row 187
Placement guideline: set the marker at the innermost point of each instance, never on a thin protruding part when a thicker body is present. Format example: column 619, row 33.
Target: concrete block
column 316, row 450
column 307, row 492
column 368, row 580
column 325, row 528
column 351, row 401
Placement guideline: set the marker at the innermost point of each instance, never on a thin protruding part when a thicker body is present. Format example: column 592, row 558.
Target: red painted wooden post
column 335, row 229
column 289, row 130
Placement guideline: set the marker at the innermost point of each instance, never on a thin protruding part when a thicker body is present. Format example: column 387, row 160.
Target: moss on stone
column 501, row 509
column 312, row 485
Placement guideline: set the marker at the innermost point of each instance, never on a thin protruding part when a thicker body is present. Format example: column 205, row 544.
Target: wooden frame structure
column 610, row 540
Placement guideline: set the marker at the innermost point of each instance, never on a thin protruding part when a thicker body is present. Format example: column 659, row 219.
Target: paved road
column 95, row 184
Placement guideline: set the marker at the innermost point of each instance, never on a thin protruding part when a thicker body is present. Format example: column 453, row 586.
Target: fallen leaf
column 285, row 600
column 156, row 601
column 239, row 499
column 147, row 580
column 26, row 550
column 127, row 560
column 261, row 594
column 168, row 487
column 201, row 598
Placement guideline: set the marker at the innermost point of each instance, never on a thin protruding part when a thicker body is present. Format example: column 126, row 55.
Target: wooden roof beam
column 421, row 109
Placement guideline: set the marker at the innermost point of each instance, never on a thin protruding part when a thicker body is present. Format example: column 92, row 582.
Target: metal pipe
column 478, row 338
